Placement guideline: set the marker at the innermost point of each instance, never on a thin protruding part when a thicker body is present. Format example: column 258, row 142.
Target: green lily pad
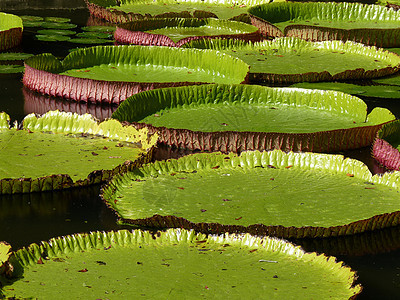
column 52, row 37
column 394, row 50
column 175, row 32
column 89, row 41
column 10, row 31
column 233, row 118
column 99, row 28
column 95, row 34
column 54, row 25
column 14, row 56
column 390, row 80
column 130, row 10
column 55, row 32
column 272, row 193
column 57, row 19
column 377, row 91
column 26, row 18
column 386, row 147
column 61, row 150
column 295, row 60
column 32, row 24
column 5, row 252
column 367, row 24
column 113, row 73
column 11, row 69
column 88, row 265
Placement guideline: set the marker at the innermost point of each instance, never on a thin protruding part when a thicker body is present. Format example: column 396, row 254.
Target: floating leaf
column 377, row 91
column 12, row 56
column 368, row 24
column 52, row 37
column 54, row 152
column 57, row 19
column 130, row 10
column 54, row 25
column 320, row 195
column 89, row 41
column 287, row 60
column 99, row 28
column 11, row 69
column 110, row 74
column 55, row 32
column 233, row 118
column 175, row 32
column 26, row 18
column 10, row 31
column 213, row 266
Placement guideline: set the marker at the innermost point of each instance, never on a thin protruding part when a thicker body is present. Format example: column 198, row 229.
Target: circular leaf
column 88, row 265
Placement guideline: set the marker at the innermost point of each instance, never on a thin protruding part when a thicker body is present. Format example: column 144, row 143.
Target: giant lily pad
column 175, row 32
column 245, row 117
column 112, row 73
column 271, row 193
column 61, row 150
column 376, row 91
column 121, row 11
column 142, row 264
column 386, row 148
column 367, row 24
column 285, row 60
column 10, row 31
column 5, row 252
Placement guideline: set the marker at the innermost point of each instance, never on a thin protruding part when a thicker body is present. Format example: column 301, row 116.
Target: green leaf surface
column 11, row 69
column 390, row 80
column 137, row 264
column 9, row 56
column 308, row 194
column 55, row 32
column 5, row 252
column 284, row 56
column 26, row 18
column 99, row 28
column 378, row 91
column 8, row 21
column 89, row 40
column 223, row 9
column 317, row 21
column 331, row 15
column 57, row 19
column 52, row 37
column 180, row 28
column 32, row 24
column 146, row 64
column 65, row 143
column 212, row 108
column 54, row 25
column 94, row 34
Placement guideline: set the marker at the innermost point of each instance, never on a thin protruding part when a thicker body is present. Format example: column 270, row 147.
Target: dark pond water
column 34, row 217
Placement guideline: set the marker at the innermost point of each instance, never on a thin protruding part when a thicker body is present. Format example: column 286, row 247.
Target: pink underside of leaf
column 88, row 90
column 386, row 154
column 227, row 141
column 124, row 36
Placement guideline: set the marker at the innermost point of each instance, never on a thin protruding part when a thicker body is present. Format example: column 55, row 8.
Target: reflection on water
column 40, row 104
column 28, row 218
column 372, row 242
